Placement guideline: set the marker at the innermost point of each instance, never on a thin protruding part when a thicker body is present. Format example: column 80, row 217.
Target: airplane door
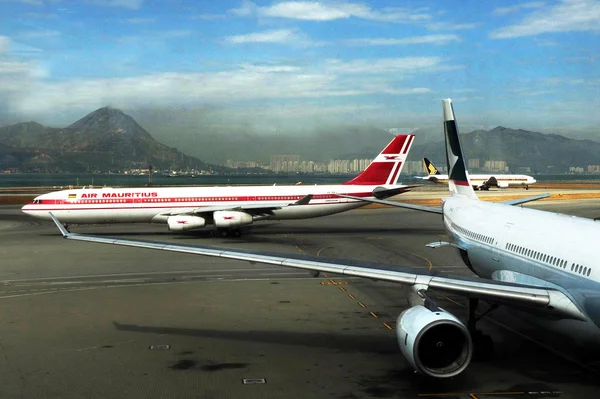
column 501, row 241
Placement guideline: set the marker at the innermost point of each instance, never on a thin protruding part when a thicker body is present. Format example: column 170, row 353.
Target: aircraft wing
column 253, row 209
column 520, row 201
column 539, row 299
column 431, row 209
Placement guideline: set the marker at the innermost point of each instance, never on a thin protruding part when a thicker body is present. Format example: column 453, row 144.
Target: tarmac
column 82, row 320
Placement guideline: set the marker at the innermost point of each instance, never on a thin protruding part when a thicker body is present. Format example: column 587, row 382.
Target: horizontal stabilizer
column 525, row 200
column 382, row 192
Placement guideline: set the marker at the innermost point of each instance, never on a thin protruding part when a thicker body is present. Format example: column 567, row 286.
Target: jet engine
column 435, row 343
column 185, row 222
column 231, row 219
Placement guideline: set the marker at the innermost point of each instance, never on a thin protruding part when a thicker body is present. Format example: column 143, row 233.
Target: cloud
column 25, row 91
column 518, row 7
column 429, row 39
column 383, row 65
column 271, row 36
column 325, row 11
column 138, row 21
column 451, row 26
column 36, row 34
column 567, row 16
column 132, row 4
column 4, row 44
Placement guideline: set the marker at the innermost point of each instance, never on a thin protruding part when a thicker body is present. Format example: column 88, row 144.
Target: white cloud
column 383, row 65
column 429, row 39
column 326, row 11
column 567, row 16
column 36, row 34
column 271, row 36
column 132, row 4
column 25, row 91
column 451, row 26
column 518, row 7
column 138, row 21
column 4, row 44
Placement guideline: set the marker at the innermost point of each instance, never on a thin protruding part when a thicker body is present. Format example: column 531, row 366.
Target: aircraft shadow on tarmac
column 308, row 230
column 342, row 342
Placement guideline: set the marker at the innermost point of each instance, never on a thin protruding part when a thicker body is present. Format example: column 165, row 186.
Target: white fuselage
column 146, row 204
column 528, row 246
column 480, row 180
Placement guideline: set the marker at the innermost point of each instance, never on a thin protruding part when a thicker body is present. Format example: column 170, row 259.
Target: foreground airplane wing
column 434, row 209
column 519, row 201
column 555, row 302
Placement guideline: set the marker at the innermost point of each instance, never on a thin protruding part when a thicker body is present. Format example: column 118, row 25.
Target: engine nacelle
column 185, row 222
column 435, row 343
column 231, row 219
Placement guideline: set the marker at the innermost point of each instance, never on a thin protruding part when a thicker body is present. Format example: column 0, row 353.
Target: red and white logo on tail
column 386, row 168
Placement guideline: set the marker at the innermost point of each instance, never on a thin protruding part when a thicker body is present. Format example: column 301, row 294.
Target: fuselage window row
column 545, row 258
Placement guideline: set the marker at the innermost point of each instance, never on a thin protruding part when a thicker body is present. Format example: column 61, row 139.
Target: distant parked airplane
column 480, row 182
column 228, row 208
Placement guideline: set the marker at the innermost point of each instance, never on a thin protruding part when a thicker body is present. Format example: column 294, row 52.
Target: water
column 58, row 180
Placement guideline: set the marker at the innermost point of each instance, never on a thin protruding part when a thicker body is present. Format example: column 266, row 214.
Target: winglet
column 304, row 200
column 58, row 224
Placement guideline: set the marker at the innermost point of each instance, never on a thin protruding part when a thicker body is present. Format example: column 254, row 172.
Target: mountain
column 102, row 140
column 543, row 153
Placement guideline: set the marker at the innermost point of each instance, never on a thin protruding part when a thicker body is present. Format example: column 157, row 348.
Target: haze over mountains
column 108, row 139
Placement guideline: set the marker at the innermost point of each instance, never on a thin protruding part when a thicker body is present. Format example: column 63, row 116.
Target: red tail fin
column 385, row 169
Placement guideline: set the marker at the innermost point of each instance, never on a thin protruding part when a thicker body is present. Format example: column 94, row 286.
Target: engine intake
column 436, row 343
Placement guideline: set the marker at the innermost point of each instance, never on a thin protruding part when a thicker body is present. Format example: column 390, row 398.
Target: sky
column 531, row 64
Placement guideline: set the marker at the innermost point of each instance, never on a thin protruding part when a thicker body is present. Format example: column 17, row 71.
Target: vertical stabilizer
column 386, row 168
column 430, row 168
column 458, row 177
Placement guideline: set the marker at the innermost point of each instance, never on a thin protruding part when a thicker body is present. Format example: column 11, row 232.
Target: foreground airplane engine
column 436, row 343
column 182, row 223
column 231, row 219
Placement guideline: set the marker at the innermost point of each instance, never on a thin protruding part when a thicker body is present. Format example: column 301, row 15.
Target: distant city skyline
column 277, row 66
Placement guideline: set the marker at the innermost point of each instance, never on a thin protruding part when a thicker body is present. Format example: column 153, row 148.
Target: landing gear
column 229, row 232
column 483, row 346
column 66, row 226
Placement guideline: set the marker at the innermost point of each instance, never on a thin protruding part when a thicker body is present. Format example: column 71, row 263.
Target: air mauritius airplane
column 227, row 208
column 480, row 182
column 538, row 262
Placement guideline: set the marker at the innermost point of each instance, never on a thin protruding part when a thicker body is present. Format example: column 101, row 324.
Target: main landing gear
column 229, row 232
column 66, row 226
column 483, row 346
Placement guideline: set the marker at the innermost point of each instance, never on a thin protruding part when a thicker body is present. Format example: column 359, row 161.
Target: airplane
column 227, row 208
column 480, row 182
column 537, row 262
